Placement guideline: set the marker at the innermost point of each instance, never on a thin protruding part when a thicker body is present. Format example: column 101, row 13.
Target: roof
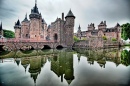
column 110, row 30
column 35, row 9
column 1, row 26
column 117, row 25
column 43, row 21
column 18, row 23
column 94, row 32
column 70, row 14
column 26, row 19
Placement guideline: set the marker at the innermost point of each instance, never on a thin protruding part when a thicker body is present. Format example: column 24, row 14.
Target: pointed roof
column 26, row 19
column 79, row 27
column 70, row 14
column 1, row 26
column 43, row 21
column 117, row 25
column 35, row 8
column 18, row 23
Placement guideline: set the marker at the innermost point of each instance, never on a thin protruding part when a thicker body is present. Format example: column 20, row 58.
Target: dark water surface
column 65, row 68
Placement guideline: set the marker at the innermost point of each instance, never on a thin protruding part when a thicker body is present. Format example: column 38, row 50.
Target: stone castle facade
column 36, row 29
column 109, row 33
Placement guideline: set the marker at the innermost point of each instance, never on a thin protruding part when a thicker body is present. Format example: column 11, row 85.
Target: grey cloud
column 86, row 11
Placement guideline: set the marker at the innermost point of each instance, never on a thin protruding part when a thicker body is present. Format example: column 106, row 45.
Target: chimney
column 63, row 16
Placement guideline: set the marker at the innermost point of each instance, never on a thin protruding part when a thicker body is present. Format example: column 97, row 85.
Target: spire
column 1, row 26
column 79, row 27
column 35, row 2
column 26, row 19
column 70, row 14
column 18, row 23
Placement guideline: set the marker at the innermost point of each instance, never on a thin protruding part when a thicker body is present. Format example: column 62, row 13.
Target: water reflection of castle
column 62, row 65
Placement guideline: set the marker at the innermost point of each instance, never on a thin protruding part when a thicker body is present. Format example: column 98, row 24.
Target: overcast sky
column 86, row 11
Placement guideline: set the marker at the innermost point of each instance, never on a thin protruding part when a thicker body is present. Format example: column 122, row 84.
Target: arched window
column 55, row 37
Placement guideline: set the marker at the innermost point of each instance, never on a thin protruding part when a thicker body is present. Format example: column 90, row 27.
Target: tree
column 125, row 34
column 125, row 57
column 76, row 39
column 8, row 34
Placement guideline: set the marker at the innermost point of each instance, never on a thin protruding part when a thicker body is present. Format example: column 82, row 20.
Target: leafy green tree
column 125, row 57
column 125, row 34
column 76, row 39
column 8, row 34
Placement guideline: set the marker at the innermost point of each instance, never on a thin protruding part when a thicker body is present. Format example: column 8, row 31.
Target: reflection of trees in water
column 101, row 56
column 125, row 57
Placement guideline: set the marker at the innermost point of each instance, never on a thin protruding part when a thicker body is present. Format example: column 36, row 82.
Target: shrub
column 113, row 39
column 104, row 38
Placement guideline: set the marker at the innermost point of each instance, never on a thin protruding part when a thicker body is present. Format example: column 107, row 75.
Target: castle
column 36, row 29
column 109, row 33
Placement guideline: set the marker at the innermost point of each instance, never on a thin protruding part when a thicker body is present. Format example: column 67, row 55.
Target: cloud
column 86, row 11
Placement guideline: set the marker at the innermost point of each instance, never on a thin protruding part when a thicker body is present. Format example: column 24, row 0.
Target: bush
column 113, row 39
column 104, row 38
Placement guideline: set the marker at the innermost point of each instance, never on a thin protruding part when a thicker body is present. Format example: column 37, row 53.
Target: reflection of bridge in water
column 61, row 61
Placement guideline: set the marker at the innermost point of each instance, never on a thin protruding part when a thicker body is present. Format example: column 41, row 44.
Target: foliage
column 76, row 39
column 125, row 57
column 104, row 38
column 8, row 34
column 84, row 39
column 125, row 34
column 114, row 39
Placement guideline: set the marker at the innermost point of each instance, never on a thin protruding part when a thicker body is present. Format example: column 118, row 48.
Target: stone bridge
column 30, row 45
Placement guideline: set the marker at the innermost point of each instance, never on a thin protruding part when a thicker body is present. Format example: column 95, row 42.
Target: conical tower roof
column 26, row 19
column 70, row 14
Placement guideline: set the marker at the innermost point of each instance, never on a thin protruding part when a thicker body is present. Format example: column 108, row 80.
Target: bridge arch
column 46, row 47
column 5, row 48
column 59, row 47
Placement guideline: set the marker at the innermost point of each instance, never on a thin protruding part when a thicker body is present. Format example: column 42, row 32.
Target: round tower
column 69, row 29
column 17, row 28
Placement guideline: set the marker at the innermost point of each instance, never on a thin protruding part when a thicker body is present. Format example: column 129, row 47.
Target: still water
column 65, row 67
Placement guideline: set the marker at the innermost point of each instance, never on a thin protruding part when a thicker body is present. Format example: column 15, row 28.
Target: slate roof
column 94, row 32
column 110, row 30
column 70, row 14
column 18, row 23
column 35, row 9
column 26, row 19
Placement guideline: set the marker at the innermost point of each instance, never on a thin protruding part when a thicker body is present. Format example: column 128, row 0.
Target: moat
column 79, row 67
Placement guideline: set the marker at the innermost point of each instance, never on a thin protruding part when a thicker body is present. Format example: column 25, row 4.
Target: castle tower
column 118, row 27
column 25, row 28
column 69, row 29
column 91, row 27
column 1, row 30
column 36, row 23
column 17, row 28
column 102, row 26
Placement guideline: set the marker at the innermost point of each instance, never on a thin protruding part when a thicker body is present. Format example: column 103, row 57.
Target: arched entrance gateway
column 55, row 37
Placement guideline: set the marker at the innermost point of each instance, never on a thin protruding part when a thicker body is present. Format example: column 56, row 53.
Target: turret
column 91, row 27
column 1, row 29
column 118, row 29
column 69, row 28
column 102, row 25
column 70, row 18
column 17, row 28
